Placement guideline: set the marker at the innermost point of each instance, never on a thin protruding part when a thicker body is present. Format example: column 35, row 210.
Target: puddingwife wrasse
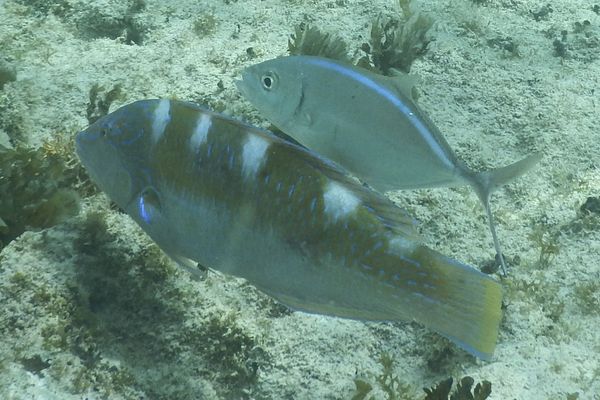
column 368, row 124
column 245, row 202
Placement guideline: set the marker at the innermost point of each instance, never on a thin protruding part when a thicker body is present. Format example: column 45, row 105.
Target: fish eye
column 268, row 80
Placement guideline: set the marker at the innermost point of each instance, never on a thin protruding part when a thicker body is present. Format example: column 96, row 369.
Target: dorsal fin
column 404, row 84
column 401, row 83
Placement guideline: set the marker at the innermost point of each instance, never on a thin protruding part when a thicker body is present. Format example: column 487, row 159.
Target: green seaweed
column 310, row 41
column 548, row 245
column 393, row 46
column 439, row 391
column 463, row 390
column 587, row 295
column 36, row 187
column 394, row 389
column 538, row 293
column 120, row 20
column 362, row 389
column 234, row 354
column 98, row 106
column 205, row 25
column 396, row 43
column 130, row 303
column 387, row 382
column 405, row 8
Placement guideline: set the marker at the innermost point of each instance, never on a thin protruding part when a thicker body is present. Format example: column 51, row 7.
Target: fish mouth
column 242, row 85
column 79, row 148
column 247, row 82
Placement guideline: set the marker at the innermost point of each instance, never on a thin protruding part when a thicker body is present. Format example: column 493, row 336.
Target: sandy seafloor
column 99, row 314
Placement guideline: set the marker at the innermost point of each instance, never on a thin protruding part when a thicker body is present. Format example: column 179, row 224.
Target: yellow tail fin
column 465, row 305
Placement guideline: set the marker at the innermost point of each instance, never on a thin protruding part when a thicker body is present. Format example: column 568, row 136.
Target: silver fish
column 368, row 124
column 242, row 201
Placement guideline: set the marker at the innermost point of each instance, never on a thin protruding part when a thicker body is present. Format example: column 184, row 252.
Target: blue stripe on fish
column 392, row 98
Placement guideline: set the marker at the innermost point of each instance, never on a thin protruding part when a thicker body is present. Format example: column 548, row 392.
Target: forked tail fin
column 486, row 182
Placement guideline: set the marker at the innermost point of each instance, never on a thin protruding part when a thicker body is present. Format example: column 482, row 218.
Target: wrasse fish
column 368, row 124
column 245, row 202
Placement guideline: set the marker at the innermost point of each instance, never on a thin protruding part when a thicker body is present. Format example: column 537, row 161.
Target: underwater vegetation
column 464, row 390
column 387, row 381
column 110, row 19
column 41, row 187
column 36, row 187
column 308, row 40
column 205, row 25
column 98, row 105
column 394, row 43
column 581, row 43
column 547, row 242
column 541, row 293
column 394, row 389
column 120, row 20
column 132, row 296
column 8, row 73
column 121, row 320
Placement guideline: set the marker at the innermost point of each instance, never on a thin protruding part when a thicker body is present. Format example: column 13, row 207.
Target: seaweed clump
column 310, row 41
column 98, row 106
column 463, row 391
column 129, row 302
column 205, row 25
column 394, row 389
column 233, row 355
column 547, row 242
column 388, row 382
column 36, row 189
column 113, row 21
column 580, row 44
column 396, row 43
